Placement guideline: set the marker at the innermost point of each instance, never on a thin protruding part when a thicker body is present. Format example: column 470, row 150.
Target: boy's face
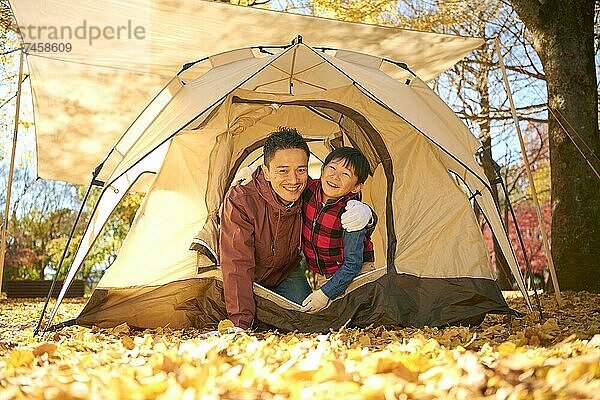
column 338, row 179
column 288, row 172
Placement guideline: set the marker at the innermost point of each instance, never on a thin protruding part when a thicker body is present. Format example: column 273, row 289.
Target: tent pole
column 529, row 176
column 521, row 242
column 64, row 254
column 12, row 167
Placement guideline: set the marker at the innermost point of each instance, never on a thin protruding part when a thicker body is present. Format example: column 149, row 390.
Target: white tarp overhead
column 123, row 52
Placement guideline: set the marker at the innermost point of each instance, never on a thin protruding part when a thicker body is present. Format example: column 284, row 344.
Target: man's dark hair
column 353, row 159
column 283, row 138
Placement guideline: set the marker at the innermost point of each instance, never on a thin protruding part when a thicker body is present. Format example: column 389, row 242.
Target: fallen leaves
column 224, row 326
column 20, row 358
column 46, row 348
column 504, row 358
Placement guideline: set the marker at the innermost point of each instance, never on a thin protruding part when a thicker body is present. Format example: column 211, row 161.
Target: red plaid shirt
column 322, row 232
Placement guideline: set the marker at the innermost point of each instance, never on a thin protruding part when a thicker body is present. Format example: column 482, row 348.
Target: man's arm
column 237, row 263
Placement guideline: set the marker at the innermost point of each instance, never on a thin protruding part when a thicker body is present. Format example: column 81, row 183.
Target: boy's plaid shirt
column 322, row 232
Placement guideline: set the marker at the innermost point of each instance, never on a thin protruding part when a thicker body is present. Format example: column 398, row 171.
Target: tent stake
column 12, row 167
column 529, row 176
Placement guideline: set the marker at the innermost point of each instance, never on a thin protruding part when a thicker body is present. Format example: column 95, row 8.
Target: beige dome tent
column 433, row 267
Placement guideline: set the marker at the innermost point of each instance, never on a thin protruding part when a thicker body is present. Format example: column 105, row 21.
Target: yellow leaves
column 20, row 358
column 224, row 325
column 387, row 365
column 430, row 346
column 154, row 385
column 496, row 360
column 506, row 349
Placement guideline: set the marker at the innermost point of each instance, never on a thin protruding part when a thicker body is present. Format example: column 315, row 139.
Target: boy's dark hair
column 351, row 158
column 283, row 138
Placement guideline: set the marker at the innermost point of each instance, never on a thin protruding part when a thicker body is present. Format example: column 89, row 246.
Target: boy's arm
column 237, row 263
column 353, row 260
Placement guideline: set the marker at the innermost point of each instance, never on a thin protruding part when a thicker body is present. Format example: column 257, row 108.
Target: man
column 261, row 226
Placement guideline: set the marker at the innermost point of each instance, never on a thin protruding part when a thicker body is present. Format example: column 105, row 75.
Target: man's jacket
column 259, row 242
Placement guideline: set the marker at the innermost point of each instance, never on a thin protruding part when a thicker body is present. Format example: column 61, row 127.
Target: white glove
column 316, row 301
column 357, row 216
column 234, row 329
column 244, row 175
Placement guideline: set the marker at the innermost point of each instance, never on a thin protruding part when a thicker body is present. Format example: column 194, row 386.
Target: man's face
column 288, row 172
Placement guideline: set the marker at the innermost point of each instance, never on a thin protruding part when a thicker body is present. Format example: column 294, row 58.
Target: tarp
column 85, row 98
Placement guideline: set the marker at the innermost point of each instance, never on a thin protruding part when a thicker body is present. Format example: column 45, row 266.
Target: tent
column 433, row 267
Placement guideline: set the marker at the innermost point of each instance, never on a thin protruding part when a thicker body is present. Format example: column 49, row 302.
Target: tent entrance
column 326, row 125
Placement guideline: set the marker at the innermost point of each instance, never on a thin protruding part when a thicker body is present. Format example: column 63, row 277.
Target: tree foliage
column 40, row 230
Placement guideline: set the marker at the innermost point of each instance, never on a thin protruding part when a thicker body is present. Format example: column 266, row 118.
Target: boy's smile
column 338, row 179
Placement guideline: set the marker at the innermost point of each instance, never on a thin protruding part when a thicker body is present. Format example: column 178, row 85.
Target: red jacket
column 259, row 242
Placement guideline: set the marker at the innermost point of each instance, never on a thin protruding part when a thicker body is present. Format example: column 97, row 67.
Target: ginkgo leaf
column 46, row 348
column 224, row 325
column 20, row 358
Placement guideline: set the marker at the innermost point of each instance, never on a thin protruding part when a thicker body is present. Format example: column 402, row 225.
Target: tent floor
column 392, row 300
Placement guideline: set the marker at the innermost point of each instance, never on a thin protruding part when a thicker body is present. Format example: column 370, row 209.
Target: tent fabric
column 388, row 300
column 85, row 98
column 429, row 248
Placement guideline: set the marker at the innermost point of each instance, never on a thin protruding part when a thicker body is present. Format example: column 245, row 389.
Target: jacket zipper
column 312, row 242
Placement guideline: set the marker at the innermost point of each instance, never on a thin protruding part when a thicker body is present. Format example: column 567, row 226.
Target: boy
column 334, row 254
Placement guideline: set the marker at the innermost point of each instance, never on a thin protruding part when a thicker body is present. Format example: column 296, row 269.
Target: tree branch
column 514, row 68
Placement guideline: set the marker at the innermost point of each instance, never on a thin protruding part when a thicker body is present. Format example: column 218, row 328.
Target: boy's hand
column 357, row 216
column 316, row 301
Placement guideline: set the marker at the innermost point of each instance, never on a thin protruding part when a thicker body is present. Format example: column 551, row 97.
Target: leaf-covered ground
column 502, row 359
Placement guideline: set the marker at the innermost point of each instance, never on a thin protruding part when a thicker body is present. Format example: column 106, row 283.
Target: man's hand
column 316, row 301
column 357, row 216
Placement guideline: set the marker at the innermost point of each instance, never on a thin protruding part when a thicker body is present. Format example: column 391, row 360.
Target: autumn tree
column 563, row 36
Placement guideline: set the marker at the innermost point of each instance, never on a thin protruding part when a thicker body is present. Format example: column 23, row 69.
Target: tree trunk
column 563, row 33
